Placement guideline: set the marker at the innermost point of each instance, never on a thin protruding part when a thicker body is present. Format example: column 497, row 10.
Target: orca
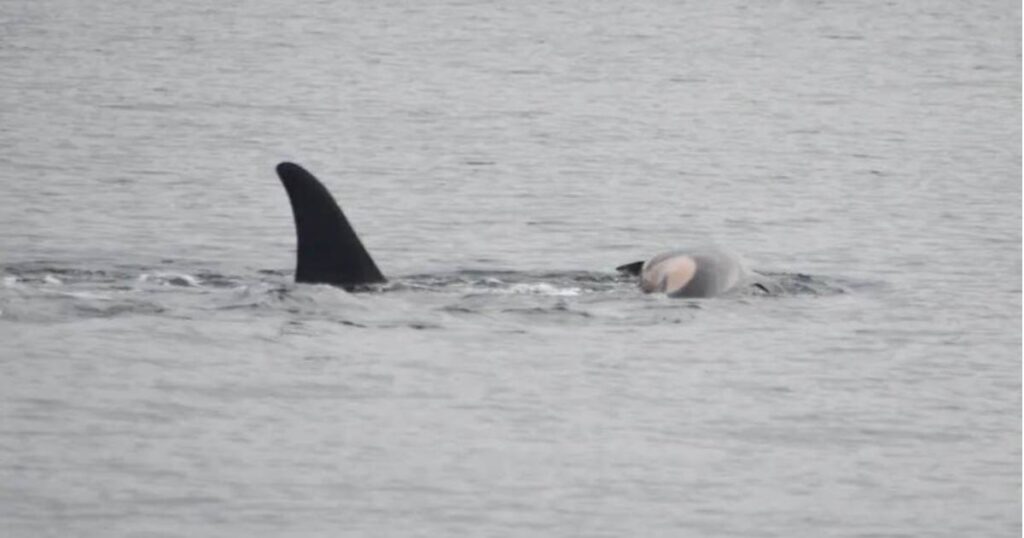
column 330, row 252
column 692, row 273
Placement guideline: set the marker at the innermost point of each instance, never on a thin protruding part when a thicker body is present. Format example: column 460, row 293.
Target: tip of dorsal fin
column 329, row 251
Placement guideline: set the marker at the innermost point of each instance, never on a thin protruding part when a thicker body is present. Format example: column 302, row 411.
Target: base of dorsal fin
column 329, row 251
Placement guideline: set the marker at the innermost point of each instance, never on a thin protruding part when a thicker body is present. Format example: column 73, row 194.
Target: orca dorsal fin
column 329, row 251
column 631, row 268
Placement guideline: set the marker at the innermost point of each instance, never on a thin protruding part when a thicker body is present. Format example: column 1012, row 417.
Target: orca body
column 329, row 251
column 691, row 274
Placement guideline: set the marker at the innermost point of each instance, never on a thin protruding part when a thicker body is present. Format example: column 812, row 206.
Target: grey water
column 161, row 374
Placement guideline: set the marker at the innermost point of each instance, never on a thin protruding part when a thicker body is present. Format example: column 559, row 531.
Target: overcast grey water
column 161, row 375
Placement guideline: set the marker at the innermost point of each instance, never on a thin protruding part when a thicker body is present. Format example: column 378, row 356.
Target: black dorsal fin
column 631, row 268
column 329, row 251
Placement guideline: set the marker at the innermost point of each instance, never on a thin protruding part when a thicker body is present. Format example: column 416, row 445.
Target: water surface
column 162, row 375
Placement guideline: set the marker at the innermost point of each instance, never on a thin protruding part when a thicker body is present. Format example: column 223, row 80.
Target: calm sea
column 161, row 375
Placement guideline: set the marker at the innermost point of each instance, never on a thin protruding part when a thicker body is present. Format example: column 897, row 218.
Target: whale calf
column 692, row 273
column 330, row 252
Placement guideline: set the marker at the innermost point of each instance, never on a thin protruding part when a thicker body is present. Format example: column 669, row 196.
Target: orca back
column 329, row 251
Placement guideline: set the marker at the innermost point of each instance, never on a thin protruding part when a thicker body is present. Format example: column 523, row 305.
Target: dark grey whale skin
column 329, row 251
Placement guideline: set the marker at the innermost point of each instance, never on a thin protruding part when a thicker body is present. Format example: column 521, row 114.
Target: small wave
column 170, row 279
column 558, row 284
column 544, row 288
column 779, row 283
column 117, row 309
column 560, row 309
column 124, row 276
column 35, row 306
column 56, row 274
column 302, row 299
